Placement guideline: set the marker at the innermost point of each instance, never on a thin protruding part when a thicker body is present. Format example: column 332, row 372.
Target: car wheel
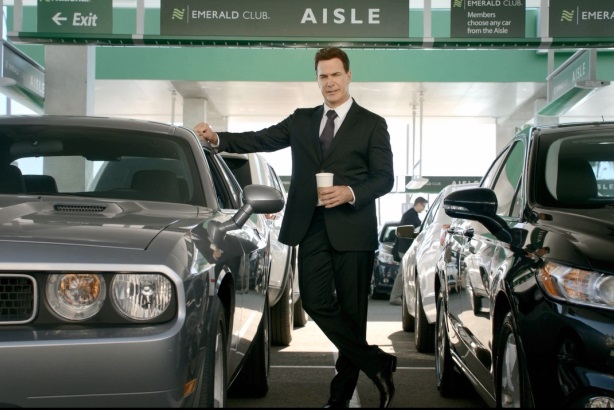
column 282, row 315
column 407, row 320
column 511, row 385
column 300, row 316
column 444, row 367
column 253, row 379
column 424, row 333
column 373, row 290
column 212, row 389
column 476, row 302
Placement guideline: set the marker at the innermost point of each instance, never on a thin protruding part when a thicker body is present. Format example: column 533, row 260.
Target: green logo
column 178, row 14
column 567, row 15
column 458, row 3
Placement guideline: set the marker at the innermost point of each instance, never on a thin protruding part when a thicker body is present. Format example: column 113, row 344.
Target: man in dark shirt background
column 410, row 217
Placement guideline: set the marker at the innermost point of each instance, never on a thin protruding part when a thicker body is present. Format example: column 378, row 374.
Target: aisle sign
column 581, row 18
column 487, row 18
column 75, row 16
column 577, row 68
column 273, row 18
column 436, row 184
column 28, row 77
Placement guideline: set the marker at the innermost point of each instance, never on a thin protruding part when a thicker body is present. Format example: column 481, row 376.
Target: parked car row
column 418, row 269
column 523, row 278
column 134, row 271
column 284, row 296
column 385, row 268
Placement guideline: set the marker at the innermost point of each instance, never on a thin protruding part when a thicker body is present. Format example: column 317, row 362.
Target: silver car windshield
column 99, row 163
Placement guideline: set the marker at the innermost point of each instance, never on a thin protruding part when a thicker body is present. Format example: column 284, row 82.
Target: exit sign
column 85, row 16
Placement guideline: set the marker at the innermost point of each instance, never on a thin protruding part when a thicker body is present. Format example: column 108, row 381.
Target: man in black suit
column 336, row 240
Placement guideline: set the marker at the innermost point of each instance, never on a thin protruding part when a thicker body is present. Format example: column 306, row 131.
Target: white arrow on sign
column 57, row 19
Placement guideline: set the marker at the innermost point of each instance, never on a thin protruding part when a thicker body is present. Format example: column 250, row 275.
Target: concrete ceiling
column 163, row 100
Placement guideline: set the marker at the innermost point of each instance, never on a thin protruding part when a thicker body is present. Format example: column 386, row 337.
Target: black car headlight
column 577, row 285
column 80, row 296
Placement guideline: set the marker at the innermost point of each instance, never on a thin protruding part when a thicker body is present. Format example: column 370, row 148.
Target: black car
column 531, row 319
column 385, row 267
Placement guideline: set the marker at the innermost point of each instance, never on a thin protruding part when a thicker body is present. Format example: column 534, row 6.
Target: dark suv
column 530, row 318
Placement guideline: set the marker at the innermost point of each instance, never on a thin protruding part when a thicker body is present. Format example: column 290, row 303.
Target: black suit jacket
column 360, row 157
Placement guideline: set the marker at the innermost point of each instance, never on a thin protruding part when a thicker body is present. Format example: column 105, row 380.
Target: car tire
column 511, row 382
column 213, row 379
column 476, row 302
column 253, row 379
column 445, row 373
column 300, row 316
column 424, row 334
column 375, row 295
column 407, row 320
column 282, row 315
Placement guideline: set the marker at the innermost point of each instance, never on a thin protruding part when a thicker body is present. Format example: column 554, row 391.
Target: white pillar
column 69, row 90
column 196, row 110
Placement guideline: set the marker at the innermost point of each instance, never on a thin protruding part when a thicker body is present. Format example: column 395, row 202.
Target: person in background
column 401, row 245
column 337, row 241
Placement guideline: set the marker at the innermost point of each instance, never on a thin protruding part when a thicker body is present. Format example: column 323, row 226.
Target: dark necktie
column 328, row 132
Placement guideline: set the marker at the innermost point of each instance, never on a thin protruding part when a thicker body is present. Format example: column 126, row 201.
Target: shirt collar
column 341, row 110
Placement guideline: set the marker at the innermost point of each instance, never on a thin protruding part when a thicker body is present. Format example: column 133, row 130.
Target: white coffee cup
column 323, row 180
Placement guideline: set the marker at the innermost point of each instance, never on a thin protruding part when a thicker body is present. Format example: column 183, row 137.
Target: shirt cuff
column 353, row 201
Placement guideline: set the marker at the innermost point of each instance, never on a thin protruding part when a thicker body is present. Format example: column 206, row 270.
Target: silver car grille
column 18, row 296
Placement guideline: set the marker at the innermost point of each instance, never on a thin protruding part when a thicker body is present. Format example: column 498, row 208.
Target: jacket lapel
column 316, row 119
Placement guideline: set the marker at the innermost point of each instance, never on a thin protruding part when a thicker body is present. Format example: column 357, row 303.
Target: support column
column 196, row 110
column 70, row 73
column 69, row 90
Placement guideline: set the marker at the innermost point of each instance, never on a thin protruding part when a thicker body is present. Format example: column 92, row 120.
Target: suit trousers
column 334, row 289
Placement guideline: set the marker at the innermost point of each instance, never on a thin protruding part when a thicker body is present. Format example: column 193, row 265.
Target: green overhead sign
column 313, row 18
column 75, row 16
column 487, row 18
column 572, row 82
column 581, row 18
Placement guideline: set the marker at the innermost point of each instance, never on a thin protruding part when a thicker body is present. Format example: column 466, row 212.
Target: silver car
column 131, row 274
column 418, row 269
column 284, row 296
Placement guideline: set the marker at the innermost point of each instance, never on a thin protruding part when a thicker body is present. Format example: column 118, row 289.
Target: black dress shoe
column 385, row 385
column 337, row 404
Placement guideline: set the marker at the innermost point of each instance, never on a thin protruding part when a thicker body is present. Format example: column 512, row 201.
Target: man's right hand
column 205, row 133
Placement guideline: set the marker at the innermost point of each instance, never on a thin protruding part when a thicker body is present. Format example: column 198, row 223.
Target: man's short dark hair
column 420, row 200
column 330, row 53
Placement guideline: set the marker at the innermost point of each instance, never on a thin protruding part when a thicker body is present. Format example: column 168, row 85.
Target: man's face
column 420, row 207
column 334, row 82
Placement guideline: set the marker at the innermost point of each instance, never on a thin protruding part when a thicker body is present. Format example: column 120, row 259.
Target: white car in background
column 418, row 270
column 286, row 309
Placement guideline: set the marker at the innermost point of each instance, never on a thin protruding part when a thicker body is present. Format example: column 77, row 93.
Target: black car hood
column 580, row 237
column 78, row 221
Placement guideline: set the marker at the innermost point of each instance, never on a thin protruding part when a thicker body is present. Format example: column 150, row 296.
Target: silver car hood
column 81, row 221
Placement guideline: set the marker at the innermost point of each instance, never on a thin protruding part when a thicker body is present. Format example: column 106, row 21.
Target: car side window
column 492, row 171
column 275, row 181
column 227, row 188
column 430, row 216
column 507, row 184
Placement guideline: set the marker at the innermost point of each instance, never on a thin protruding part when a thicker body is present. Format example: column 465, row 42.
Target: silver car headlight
column 577, row 285
column 141, row 296
column 76, row 296
column 386, row 258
